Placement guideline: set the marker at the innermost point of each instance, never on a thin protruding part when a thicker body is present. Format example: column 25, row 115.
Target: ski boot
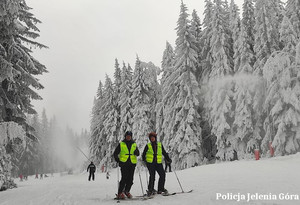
column 120, row 196
column 163, row 192
column 128, row 195
column 149, row 193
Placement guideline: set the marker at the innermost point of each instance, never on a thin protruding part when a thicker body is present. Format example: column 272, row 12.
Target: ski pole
column 146, row 172
column 147, row 178
column 178, row 181
column 141, row 182
column 118, row 183
column 82, row 152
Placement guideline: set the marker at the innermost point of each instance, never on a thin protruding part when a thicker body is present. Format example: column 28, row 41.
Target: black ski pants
column 127, row 172
column 152, row 167
column 92, row 174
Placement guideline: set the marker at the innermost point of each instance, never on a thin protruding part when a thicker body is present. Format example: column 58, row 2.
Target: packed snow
column 267, row 181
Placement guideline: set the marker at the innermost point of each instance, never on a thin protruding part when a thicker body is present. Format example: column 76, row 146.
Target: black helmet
column 128, row 133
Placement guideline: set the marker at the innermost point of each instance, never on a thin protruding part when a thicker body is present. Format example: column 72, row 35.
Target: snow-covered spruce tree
column 249, row 134
column 163, row 103
column 268, row 16
column 246, row 45
column 96, row 142
column 206, row 38
column 18, row 69
column 293, row 13
column 45, row 151
column 109, row 131
column 185, row 133
column 288, row 36
column 227, row 9
column 125, row 100
column 219, row 100
column 235, row 28
column 29, row 156
column 117, row 92
column 282, row 104
column 12, row 136
column 209, row 148
column 197, row 32
column 151, row 72
column 221, row 47
column 17, row 66
column 34, row 121
column 44, row 125
column 248, row 97
column 141, row 100
column 167, row 62
column 219, row 106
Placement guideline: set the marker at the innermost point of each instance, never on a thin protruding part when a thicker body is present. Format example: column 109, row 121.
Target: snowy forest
column 229, row 86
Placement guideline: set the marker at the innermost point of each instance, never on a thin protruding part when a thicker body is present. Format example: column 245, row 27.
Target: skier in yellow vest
column 152, row 155
column 126, row 155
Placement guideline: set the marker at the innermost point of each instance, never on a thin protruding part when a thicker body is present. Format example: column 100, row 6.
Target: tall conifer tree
column 185, row 129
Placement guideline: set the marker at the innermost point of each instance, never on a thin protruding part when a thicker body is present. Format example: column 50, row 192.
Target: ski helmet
column 128, row 133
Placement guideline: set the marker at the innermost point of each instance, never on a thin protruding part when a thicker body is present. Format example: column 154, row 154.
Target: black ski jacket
column 91, row 167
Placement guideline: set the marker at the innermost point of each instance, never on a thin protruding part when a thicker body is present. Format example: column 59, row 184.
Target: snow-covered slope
column 263, row 180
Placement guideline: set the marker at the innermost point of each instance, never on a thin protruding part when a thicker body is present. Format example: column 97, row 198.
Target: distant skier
column 41, row 176
column 152, row 155
column 126, row 155
column 92, row 169
column 107, row 175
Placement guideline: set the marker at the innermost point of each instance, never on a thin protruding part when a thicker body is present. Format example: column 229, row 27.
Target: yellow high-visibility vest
column 150, row 153
column 124, row 153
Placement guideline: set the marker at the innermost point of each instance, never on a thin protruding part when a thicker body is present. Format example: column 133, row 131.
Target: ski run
column 266, row 181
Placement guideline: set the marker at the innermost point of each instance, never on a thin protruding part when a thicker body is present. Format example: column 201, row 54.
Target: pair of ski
column 170, row 194
column 140, row 198
column 145, row 197
column 183, row 192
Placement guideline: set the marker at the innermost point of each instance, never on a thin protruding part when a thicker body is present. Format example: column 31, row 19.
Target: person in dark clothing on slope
column 92, row 169
column 126, row 155
column 152, row 155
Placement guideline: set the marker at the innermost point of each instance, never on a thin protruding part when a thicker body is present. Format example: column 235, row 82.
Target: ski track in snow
column 266, row 176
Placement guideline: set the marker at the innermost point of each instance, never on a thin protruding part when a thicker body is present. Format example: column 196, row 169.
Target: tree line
column 229, row 86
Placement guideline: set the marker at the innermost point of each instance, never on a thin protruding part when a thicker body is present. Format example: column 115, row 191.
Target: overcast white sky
column 84, row 38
